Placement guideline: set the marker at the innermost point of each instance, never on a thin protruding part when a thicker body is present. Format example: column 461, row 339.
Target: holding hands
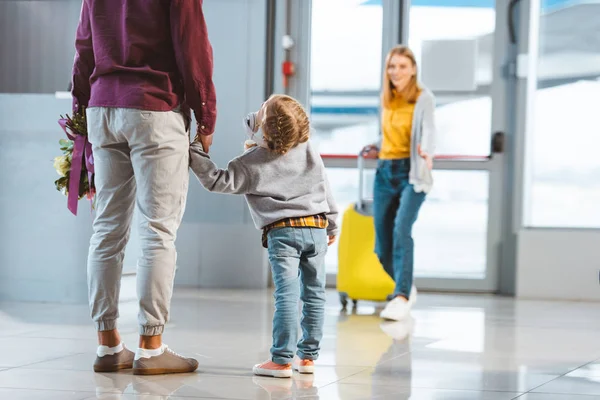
column 205, row 141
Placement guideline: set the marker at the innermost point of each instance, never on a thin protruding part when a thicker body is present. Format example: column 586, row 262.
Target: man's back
column 136, row 61
column 145, row 54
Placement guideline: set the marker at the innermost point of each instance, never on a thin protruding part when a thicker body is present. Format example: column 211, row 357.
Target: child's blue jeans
column 297, row 257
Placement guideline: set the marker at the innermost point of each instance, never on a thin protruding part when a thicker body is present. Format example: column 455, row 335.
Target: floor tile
column 548, row 396
column 590, row 371
column 27, row 394
column 459, row 347
column 571, row 385
column 20, row 351
column 77, row 381
column 146, row 397
column 461, row 380
column 77, row 362
column 361, row 392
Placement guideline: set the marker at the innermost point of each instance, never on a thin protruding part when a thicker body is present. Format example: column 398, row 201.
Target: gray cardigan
column 423, row 132
column 276, row 186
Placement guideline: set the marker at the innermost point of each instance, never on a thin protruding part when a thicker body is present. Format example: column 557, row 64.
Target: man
column 139, row 68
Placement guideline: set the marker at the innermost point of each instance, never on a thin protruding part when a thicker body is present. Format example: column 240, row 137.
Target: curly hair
column 285, row 125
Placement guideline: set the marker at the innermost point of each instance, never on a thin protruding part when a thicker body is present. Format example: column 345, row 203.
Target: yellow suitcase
column 360, row 275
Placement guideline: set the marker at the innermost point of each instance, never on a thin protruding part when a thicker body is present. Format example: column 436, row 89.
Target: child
column 284, row 181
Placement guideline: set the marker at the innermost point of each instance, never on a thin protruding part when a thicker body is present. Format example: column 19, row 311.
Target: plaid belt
column 312, row 221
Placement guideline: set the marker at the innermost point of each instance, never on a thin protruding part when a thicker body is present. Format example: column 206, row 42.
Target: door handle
column 497, row 145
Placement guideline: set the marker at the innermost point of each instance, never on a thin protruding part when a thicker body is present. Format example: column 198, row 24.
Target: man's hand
column 370, row 151
column 331, row 240
column 426, row 156
column 206, row 141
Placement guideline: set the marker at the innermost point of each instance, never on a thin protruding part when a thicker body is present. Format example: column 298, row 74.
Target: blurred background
column 511, row 221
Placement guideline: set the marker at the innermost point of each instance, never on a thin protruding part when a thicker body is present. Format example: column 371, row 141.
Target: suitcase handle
column 360, row 204
column 361, row 178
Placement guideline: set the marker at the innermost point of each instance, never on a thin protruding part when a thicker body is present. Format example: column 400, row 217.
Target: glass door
column 345, row 78
column 458, row 233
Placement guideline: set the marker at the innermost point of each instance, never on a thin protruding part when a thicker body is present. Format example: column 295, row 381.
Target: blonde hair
column 411, row 92
column 285, row 125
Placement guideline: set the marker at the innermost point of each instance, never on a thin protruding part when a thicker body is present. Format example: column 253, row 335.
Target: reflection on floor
column 455, row 347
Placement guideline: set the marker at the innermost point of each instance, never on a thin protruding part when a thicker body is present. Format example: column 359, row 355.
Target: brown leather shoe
column 168, row 362
column 115, row 362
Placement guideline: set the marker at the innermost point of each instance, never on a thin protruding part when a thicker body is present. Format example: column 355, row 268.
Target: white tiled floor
column 455, row 348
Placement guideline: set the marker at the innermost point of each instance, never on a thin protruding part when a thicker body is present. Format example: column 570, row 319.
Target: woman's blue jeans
column 395, row 209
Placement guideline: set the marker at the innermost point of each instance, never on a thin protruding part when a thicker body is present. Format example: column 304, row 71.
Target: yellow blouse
column 396, row 125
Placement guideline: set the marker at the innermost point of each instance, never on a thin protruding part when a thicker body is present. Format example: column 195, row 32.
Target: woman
column 403, row 175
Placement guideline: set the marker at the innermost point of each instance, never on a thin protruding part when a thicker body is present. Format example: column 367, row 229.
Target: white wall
column 36, row 44
column 218, row 244
column 558, row 264
column 43, row 248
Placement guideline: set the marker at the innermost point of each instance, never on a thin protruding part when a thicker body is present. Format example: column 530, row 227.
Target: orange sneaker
column 269, row 368
column 303, row 366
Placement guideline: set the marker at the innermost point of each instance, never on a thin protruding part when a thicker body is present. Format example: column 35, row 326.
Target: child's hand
column 198, row 143
column 331, row 240
column 205, row 141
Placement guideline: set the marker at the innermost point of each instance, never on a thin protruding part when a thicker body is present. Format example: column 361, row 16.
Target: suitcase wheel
column 344, row 300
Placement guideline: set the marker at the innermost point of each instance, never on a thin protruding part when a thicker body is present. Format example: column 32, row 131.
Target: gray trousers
column 141, row 160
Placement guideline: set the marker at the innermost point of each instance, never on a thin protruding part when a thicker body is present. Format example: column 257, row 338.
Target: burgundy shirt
column 151, row 55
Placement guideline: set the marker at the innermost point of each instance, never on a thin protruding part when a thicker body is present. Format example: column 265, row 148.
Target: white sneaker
column 303, row 366
column 413, row 296
column 398, row 308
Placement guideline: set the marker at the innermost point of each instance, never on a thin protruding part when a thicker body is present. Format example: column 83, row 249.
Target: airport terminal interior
column 506, row 262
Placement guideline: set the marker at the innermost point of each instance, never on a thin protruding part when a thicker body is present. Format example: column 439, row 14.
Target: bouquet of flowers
column 76, row 165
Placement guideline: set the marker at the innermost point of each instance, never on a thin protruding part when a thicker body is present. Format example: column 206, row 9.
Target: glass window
column 459, row 33
column 345, row 74
column 563, row 175
column 451, row 231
